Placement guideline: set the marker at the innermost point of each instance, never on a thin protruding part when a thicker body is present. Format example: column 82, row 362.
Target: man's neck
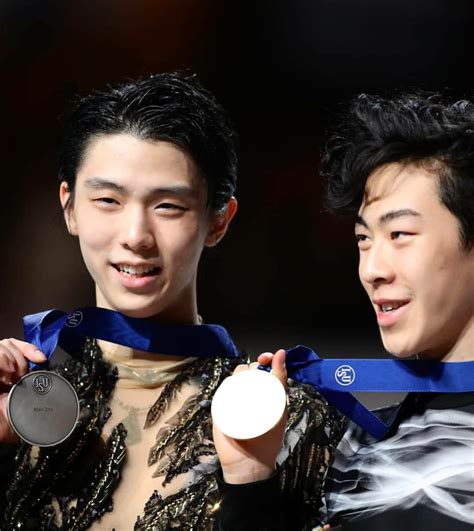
column 184, row 312
column 123, row 353
column 463, row 349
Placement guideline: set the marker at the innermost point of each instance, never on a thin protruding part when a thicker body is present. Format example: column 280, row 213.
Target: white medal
column 248, row 404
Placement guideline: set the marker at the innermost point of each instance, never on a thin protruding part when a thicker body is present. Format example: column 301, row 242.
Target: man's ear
column 220, row 223
column 68, row 208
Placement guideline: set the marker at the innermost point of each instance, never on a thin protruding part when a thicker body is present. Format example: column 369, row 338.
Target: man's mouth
column 386, row 307
column 137, row 271
column 389, row 312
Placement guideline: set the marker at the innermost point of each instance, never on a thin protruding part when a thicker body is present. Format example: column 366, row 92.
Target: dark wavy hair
column 169, row 106
column 415, row 128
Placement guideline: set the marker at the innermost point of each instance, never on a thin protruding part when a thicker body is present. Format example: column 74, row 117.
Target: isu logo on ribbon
column 74, row 319
column 42, row 384
column 345, row 375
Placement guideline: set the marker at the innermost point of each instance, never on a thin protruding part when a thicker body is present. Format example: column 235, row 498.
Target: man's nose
column 375, row 265
column 136, row 229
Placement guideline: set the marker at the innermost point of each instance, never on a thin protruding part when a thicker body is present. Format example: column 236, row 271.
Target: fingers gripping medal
column 248, row 404
column 43, row 407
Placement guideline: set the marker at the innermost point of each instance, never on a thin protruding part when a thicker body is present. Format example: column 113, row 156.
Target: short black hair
column 412, row 128
column 173, row 107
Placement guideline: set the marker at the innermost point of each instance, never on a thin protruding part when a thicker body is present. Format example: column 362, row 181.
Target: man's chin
column 403, row 355
column 139, row 311
column 398, row 350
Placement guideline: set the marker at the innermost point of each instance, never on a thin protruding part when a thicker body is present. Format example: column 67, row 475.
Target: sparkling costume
column 73, row 486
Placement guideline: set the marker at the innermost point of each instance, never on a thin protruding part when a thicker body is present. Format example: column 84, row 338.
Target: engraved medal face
column 248, row 404
column 43, row 408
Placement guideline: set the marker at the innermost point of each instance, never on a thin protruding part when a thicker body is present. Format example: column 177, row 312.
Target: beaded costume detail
column 71, row 485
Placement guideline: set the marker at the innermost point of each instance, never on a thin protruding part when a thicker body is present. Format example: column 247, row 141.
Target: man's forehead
column 383, row 182
column 406, row 183
column 397, row 191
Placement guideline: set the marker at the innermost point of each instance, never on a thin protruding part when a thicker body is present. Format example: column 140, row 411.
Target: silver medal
column 43, row 408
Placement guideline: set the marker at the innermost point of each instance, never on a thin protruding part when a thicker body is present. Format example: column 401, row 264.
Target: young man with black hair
column 147, row 180
column 404, row 168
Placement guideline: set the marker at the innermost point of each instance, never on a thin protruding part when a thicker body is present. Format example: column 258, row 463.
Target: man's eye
column 170, row 206
column 363, row 241
column 397, row 234
column 106, row 200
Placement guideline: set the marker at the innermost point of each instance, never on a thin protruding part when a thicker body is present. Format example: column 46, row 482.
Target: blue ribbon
column 335, row 379
column 48, row 329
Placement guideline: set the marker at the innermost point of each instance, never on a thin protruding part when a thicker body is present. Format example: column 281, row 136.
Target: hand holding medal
column 42, row 407
column 249, row 416
column 14, row 358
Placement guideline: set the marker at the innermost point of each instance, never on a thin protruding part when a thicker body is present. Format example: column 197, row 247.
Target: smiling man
column 147, row 176
column 145, row 196
column 413, row 264
column 405, row 169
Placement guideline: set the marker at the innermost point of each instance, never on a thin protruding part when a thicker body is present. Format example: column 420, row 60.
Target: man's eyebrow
column 395, row 214
column 188, row 191
column 99, row 183
column 388, row 216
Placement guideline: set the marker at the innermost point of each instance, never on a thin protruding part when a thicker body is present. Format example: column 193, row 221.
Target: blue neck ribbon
column 48, row 329
column 336, row 379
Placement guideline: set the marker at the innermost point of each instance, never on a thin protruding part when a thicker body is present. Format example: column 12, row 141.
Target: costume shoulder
column 418, row 477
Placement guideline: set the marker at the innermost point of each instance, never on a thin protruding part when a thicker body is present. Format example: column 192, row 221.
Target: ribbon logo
column 74, row 319
column 344, row 375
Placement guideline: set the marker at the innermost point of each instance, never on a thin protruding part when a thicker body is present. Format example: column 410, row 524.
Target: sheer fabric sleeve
column 292, row 498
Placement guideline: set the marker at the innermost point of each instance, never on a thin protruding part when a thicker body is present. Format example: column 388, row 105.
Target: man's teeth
column 136, row 270
column 391, row 306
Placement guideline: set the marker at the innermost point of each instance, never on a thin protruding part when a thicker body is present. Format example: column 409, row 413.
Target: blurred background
column 287, row 272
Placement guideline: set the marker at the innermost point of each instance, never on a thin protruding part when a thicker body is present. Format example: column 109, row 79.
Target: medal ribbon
column 48, row 329
column 335, row 379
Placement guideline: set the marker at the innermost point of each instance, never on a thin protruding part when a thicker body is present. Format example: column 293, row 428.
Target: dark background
column 286, row 272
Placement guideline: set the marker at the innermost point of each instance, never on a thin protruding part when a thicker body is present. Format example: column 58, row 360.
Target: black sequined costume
column 71, row 485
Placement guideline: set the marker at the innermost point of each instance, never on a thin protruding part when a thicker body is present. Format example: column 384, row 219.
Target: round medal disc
column 43, row 408
column 248, row 404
